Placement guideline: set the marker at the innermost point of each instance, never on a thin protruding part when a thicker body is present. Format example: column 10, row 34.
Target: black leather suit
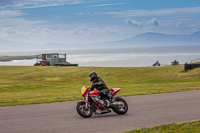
column 100, row 85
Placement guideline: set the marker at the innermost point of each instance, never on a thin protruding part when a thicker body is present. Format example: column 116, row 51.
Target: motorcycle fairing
column 94, row 93
column 84, row 91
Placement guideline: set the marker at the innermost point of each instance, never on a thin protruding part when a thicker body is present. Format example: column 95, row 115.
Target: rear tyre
column 121, row 109
column 82, row 111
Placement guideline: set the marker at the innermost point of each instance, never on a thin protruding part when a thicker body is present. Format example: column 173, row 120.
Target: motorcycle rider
column 99, row 84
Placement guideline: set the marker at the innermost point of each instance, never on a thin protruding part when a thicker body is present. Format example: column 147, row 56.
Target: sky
column 86, row 21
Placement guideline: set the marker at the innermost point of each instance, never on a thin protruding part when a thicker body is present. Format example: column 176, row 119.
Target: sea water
column 121, row 57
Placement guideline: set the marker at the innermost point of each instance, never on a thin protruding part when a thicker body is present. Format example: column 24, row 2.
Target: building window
column 48, row 56
column 61, row 56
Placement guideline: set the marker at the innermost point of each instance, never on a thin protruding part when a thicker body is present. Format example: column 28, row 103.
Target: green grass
column 191, row 127
column 21, row 85
column 196, row 63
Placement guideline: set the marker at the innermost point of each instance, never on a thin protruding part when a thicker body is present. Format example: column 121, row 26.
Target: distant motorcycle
column 92, row 103
column 156, row 64
column 175, row 63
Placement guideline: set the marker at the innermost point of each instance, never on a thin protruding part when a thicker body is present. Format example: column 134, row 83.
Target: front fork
column 86, row 102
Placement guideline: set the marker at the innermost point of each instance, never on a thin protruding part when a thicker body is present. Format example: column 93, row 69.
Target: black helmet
column 93, row 75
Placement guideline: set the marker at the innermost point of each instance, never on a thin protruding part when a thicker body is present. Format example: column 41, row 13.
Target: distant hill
column 159, row 39
column 145, row 39
column 154, row 39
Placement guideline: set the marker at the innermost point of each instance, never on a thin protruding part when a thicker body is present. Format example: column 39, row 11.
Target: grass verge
column 190, row 127
column 21, row 85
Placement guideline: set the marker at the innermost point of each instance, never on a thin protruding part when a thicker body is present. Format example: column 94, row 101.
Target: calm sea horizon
column 117, row 57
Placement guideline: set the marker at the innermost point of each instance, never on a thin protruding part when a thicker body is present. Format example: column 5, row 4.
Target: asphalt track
column 144, row 111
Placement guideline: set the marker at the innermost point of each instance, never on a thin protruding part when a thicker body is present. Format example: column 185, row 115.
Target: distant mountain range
column 158, row 39
column 141, row 40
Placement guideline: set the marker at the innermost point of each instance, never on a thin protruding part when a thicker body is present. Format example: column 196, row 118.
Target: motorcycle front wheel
column 83, row 111
column 121, row 109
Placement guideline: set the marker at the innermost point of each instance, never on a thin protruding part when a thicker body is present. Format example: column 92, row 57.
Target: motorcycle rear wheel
column 121, row 109
column 82, row 111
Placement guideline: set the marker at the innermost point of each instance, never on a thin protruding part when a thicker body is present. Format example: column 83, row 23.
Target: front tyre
column 82, row 111
column 122, row 108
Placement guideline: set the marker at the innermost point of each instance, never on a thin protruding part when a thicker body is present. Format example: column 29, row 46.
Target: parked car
column 42, row 63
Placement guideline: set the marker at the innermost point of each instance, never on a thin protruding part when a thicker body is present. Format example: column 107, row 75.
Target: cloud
column 82, row 13
column 161, row 12
column 11, row 13
column 7, row 3
column 21, row 30
column 153, row 22
column 13, row 30
column 20, row 22
column 36, row 3
column 135, row 23
column 108, row 4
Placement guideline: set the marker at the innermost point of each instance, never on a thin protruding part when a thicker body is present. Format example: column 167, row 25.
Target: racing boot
column 102, row 111
column 98, row 111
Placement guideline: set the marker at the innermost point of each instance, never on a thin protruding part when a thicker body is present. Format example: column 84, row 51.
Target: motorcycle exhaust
column 116, row 104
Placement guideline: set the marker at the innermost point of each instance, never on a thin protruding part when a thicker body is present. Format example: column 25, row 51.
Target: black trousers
column 104, row 93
